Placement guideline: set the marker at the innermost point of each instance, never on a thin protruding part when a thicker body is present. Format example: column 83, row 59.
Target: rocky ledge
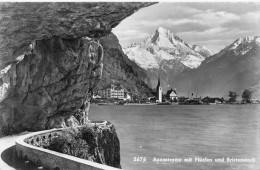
column 24, row 22
column 52, row 60
column 97, row 142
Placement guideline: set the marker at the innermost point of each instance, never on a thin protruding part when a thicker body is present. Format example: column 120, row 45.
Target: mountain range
column 194, row 69
column 235, row 68
column 165, row 52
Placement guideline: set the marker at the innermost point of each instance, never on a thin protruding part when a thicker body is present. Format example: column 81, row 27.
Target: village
column 116, row 94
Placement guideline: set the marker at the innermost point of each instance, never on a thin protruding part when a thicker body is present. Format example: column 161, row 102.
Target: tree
column 232, row 96
column 246, row 96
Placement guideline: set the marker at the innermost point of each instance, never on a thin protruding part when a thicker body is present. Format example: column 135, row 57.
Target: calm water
column 177, row 131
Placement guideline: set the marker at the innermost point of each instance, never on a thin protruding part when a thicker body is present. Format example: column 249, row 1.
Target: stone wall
column 51, row 159
column 97, row 142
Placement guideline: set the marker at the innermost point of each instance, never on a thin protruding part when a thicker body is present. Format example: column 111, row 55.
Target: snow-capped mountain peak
column 239, row 47
column 243, row 44
column 245, row 41
column 203, row 50
column 162, row 30
column 163, row 44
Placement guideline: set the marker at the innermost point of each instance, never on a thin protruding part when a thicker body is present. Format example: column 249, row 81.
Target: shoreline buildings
column 112, row 91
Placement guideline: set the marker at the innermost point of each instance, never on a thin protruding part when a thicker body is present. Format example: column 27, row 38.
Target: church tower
column 159, row 90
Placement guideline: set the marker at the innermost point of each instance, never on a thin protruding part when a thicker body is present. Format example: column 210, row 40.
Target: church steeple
column 159, row 89
column 159, row 71
column 159, row 82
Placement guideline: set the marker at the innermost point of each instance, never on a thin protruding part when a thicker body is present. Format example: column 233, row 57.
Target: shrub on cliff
column 104, row 143
column 98, row 143
column 69, row 142
column 88, row 135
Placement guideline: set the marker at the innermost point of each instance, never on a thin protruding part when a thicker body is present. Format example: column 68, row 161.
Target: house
column 112, row 91
column 171, row 95
column 127, row 96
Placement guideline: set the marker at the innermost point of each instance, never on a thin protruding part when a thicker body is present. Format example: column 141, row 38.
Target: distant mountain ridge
column 234, row 68
column 165, row 49
column 240, row 46
column 202, row 50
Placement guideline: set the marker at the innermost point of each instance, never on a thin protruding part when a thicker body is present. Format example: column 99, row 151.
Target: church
column 157, row 94
column 171, row 94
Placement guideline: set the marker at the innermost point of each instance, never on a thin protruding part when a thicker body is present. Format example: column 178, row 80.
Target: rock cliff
column 119, row 69
column 49, row 70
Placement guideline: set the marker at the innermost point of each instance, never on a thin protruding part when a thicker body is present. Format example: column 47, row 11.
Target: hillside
column 119, row 69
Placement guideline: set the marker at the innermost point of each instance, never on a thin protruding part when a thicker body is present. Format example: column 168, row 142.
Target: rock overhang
column 24, row 22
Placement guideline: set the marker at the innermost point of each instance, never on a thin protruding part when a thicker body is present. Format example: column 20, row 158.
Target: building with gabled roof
column 171, row 95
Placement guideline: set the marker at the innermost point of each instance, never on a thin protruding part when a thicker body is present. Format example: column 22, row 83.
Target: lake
column 161, row 137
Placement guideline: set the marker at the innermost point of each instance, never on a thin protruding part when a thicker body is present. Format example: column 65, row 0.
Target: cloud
column 215, row 18
column 165, row 10
column 190, row 27
column 248, row 21
column 129, row 36
column 231, row 7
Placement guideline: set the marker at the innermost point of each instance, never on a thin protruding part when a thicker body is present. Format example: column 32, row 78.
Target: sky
column 214, row 25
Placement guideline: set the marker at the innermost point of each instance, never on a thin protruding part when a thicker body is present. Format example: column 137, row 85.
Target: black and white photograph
column 133, row 85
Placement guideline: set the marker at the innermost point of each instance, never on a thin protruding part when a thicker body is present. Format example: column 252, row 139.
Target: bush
column 247, row 95
column 232, row 97
column 69, row 142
